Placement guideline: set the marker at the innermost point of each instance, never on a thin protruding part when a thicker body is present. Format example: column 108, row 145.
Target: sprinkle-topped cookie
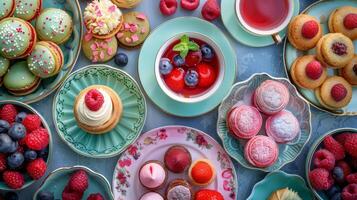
column 98, row 50
column 7, row 8
column 54, row 25
column 27, row 9
column 4, row 65
column 126, row 3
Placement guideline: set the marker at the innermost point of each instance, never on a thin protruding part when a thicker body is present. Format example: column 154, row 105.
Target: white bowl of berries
column 189, row 67
column 25, row 145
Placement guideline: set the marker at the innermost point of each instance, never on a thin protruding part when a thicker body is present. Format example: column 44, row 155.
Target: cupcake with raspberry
column 97, row 109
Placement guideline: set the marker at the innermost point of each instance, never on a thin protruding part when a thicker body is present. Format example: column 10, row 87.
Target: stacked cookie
column 334, row 50
column 20, row 40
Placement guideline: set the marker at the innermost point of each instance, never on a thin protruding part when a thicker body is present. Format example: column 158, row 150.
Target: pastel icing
column 261, row 151
column 19, row 76
column 6, row 7
column 4, row 65
column 179, row 192
column 54, row 25
column 102, row 17
column 282, row 127
column 27, row 9
column 151, row 196
column 41, row 61
column 152, row 175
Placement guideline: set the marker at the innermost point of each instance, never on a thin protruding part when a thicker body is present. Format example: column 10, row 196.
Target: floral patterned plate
column 153, row 145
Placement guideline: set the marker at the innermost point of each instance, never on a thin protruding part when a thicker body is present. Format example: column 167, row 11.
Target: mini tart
column 54, row 25
column 350, row 71
column 99, row 50
column 179, row 189
column 339, row 21
column 284, row 194
column 297, row 36
column 17, row 38
column 325, row 93
column 261, row 151
column 126, row 3
column 335, row 50
column 4, row 65
column 7, row 8
column 19, row 81
column 151, row 196
column 153, row 175
column 300, row 72
column 202, row 172
column 282, row 127
column 135, row 30
column 116, row 113
column 46, row 59
column 28, row 9
column 177, row 159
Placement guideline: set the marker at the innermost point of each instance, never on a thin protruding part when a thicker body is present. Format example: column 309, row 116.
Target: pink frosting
column 261, row 151
column 151, row 196
column 282, row 127
column 152, row 175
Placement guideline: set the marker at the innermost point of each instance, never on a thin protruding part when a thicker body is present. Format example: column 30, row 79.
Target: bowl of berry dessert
column 25, row 145
column 189, row 67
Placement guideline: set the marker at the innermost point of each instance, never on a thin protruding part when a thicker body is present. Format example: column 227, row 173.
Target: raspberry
column 339, row 48
column 96, row 196
column 168, row 7
column 334, row 147
column 310, row 29
column 2, row 162
column 37, row 139
column 338, row 92
column 32, row 122
column 314, row 70
column 345, row 167
column 8, row 113
column 78, row 181
column 349, row 192
column 13, row 179
column 190, row 4
column 68, row 194
column 352, row 178
column 350, row 21
column 320, row 179
column 94, row 100
column 211, row 10
column 324, row 159
column 36, row 168
column 341, row 138
column 351, row 145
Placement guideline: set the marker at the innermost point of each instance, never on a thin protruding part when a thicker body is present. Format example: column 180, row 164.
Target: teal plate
column 129, row 127
column 150, row 49
column 70, row 51
column 243, row 91
column 321, row 10
column 316, row 145
column 238, row 32
column 26, row 108
column 279, row 180
column 57, row 180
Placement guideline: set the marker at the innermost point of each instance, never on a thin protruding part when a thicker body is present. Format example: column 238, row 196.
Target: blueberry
column 43, row 153
column 17, row 131
column 121, row 59
column 30, row 155
column 333, row 190
column 20, row 117
column 338, row 174
column 15, row 160
column 178, row 61
column 4, row 126
column 191, row 78
column 13, row 147
column 165, row 66
column 44, row 195
column 11, row 196
column 207, row 52
column 337, row 196
column 5, row 143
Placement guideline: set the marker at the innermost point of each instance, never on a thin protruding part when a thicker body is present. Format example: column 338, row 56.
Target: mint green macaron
column 4, row 65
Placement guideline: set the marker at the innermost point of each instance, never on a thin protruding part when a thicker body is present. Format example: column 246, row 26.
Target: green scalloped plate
column 243, row 91
column 129, row 127
column 57, row 180
column 70, row 49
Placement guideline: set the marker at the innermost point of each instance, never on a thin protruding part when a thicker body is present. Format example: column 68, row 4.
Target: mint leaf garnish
column 185, row 46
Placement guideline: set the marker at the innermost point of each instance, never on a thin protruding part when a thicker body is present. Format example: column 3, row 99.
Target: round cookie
column 350, row 71
column 343, row 20
column 98, row 50
column 135, row 30
column 126, row 3
column 307, row 72
column 304, row 31
column 54, row 25
column 46, row 59
column 261, row 151
column 7, row 8
column 19, row 80
column 17, row 38
column 4, row 66
column 28, row 9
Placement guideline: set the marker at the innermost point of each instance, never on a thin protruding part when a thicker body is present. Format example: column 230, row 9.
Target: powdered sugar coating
column 282, row 127
column 261, row 151
column 179, row 192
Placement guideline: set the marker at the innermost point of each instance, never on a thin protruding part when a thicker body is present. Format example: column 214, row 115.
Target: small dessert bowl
column 208, row 92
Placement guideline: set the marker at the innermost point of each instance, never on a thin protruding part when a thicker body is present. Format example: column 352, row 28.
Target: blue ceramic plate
column 235, row 28
column 70, row 51
column 58, row 179
column 150, row 49
column 321, row 10
column 280, row 180
column 243, row 91
column 127, row 130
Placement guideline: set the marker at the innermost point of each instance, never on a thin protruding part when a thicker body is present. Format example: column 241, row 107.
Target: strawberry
column 350, row 21
column 176, row 80
column 207, row 75
column 13, row 179
column 338, row 92
column 69, row 194
column 78, row 181
column 94, row 100
column 36, row 168
column 168, row 7
column 314, row 70
column 32, row 122
column 310, row 29
column 193, row 58
column 190, row 4
column 8, row 113
column 96, row 196
column 37, row 139
column 211, row 10
column 2, row 162
column 206, row 194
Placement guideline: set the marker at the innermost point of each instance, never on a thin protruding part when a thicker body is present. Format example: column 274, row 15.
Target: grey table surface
column 250, row 61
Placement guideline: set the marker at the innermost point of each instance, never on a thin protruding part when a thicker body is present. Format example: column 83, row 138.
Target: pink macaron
column 261, row 151
column 244, row 122
column 282, row 127
column 271, row 97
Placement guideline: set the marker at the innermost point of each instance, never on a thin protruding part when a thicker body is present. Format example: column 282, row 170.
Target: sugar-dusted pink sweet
column 261, row 151
column 244, row 121
column 152, row 175
column 283, row 127
column 271, row 97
